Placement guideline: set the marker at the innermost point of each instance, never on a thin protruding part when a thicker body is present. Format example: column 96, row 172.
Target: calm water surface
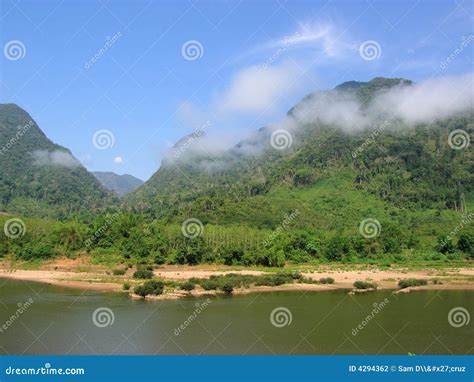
column 60, row 321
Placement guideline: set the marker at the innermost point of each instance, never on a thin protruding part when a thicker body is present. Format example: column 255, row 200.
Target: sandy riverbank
column 99, row 279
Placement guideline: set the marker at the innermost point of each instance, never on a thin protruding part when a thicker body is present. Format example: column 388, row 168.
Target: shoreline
column 451, row 279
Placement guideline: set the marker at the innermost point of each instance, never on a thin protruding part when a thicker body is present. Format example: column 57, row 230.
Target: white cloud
column 191, row 116
column 432, row 99
column 322, row 38
column 54, row 158
column 86, row 159
column 118, row 160
column 257, row 89
column 419, row 103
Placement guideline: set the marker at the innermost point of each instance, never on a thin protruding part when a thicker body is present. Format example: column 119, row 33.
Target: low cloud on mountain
column 54, row 158
column 417, row 103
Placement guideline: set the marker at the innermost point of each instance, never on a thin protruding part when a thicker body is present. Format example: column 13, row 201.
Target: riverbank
column 74, row 274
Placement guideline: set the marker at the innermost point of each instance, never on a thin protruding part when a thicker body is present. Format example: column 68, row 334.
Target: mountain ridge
column 254, row 170
column 39, row 177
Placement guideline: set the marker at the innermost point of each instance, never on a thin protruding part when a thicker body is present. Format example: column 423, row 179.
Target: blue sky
column 123, row 66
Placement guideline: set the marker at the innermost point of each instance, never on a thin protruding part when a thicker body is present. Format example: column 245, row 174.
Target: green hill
column 334, row 171
column 343, row 178
column 315, row 198
column 39, row 177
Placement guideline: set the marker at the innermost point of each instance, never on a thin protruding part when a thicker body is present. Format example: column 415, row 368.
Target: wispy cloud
column 256, row 89
column 54, row 158
column 437, row 98
column 317, row 38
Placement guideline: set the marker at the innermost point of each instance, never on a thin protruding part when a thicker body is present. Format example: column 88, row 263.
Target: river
column 42, row 319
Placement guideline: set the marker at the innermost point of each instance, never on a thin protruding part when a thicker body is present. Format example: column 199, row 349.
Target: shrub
column 157, row 287
column 126, row 286
column 143, row 274
column 143, row 290
column 296, row 275
column 308, row 280
column 364, row 285
column 405, row 283
column 118, row 272
column 444, row 246
column 326, row 280
column 234, row 256
column 303, row 177
column 191, row 252
column 207, row 284
column 159, row 258
column 466, row 244
column 227, row 288
column 187, row 286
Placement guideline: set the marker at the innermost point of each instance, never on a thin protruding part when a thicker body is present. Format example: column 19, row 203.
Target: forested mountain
column 39, row 177
column 120, row 184
column 353, row 174
column 336, row 168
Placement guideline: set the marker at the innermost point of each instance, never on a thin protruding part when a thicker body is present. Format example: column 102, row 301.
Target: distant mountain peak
column 377, row 82
column 120, row 184
column 187, row 139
